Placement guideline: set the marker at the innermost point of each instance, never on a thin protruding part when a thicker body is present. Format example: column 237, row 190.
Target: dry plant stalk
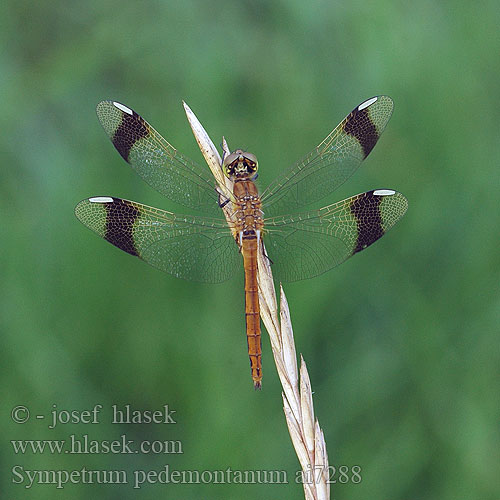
column 306, row 434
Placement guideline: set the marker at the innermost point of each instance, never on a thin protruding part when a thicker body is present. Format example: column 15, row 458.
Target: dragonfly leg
column 223, row 199
column 222, row 204
column 265, row 254
column 239, row 241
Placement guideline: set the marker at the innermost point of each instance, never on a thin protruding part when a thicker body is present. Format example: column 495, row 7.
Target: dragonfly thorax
column 240, row 165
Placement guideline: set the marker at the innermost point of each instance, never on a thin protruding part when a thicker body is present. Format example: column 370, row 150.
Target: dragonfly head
column 240, row 165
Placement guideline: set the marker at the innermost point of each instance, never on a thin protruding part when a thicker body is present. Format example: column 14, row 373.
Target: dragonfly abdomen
column 252, row 310
column 249, row 226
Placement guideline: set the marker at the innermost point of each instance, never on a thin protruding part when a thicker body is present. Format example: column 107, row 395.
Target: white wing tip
column 101, row 199
column 123, row 108
column 367, row 103
column 384, row 192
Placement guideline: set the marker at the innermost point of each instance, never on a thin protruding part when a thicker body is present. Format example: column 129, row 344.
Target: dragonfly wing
column 305, row 245
column 155, row 160
column 333, row 161
column 193, row 248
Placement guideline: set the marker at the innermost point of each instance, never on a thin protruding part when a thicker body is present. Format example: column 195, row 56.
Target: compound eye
column 227, row 164
column 240, row 163
column 230, row 158
column 250, row 157
column 251, row 164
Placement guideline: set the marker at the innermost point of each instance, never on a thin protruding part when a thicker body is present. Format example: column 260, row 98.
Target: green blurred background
column 401, row 341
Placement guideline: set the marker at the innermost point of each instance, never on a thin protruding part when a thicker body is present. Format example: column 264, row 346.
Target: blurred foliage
column 401, row 341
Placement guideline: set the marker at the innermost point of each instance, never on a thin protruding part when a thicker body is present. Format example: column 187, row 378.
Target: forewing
column 333, row 161
column 305, row 245
column 157, row 161
column 192, row 248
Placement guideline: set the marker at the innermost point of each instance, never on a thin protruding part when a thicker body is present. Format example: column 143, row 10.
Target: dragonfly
column 209, row 247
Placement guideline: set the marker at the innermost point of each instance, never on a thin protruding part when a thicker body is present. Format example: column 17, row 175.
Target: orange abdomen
column 249, row 226
column 252, row 310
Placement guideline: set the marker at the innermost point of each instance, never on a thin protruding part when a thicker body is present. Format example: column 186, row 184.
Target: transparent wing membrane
column 333, row 161
column 193, row 248
column 157, row 161
column 301, row 245
column 305, row 245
